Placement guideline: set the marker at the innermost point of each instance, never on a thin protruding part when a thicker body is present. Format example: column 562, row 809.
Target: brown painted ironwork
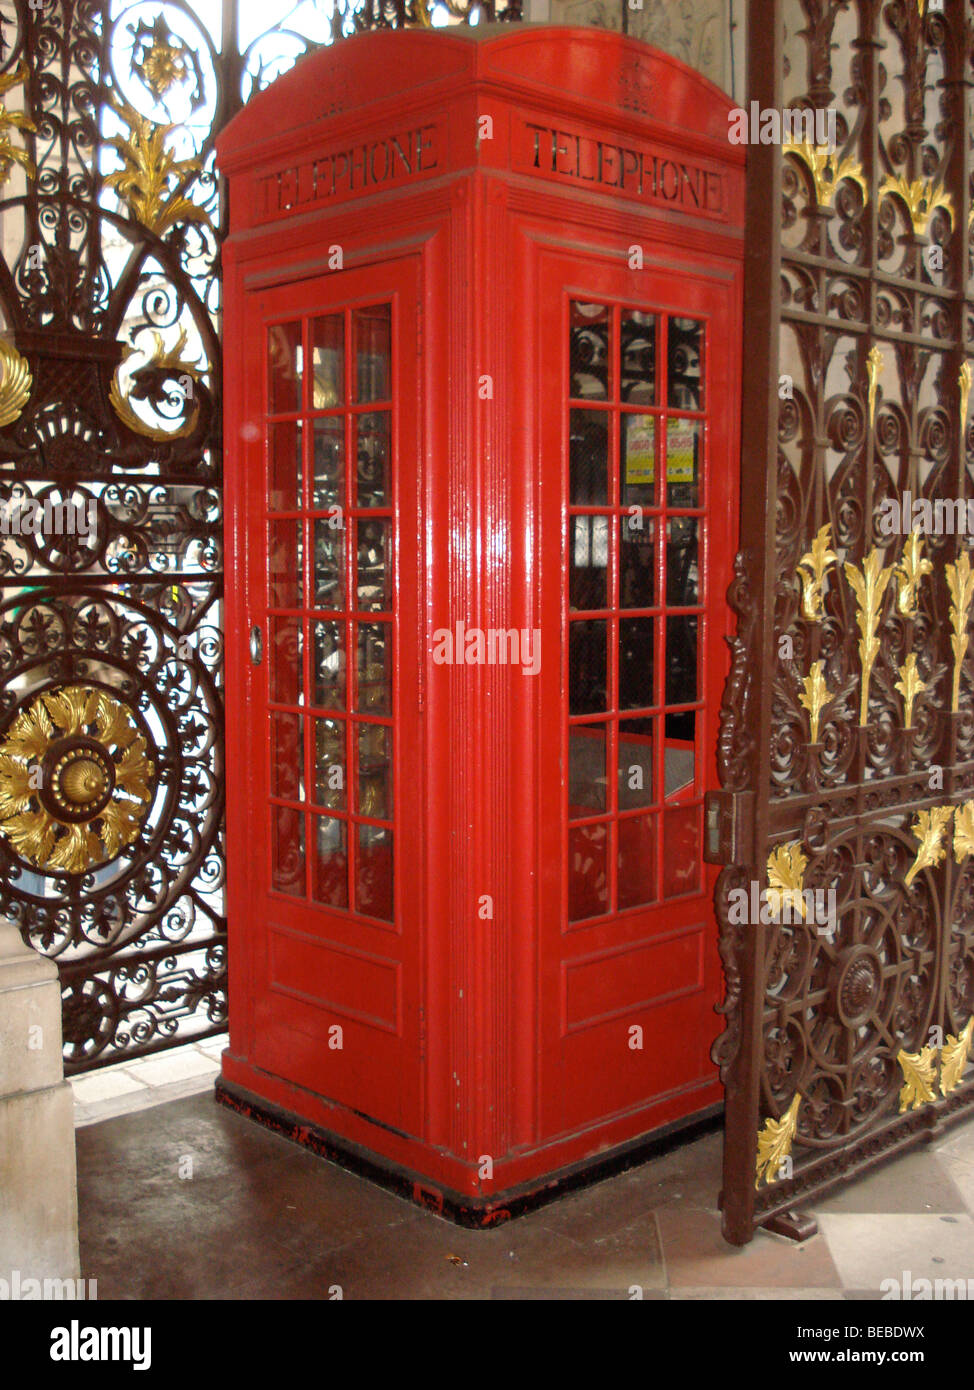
column 848, row 720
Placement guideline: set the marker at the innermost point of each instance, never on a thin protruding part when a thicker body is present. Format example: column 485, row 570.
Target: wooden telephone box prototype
column 483, row 350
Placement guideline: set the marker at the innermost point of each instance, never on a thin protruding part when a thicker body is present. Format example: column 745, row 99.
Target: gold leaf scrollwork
column 75, row 782
column 11, row 121
column 868, row 587
column 874, row 370
column 161, row 364
column 964, row 378
column 963, row 832
column 929, row 828
column 144, row 183
column 815, row 697
column 827, row 170
column 812, row 569
column 920, row 198
column 960, row 582
column 786, row 877
column 912, row 567
column 954, row 1056
column 910, row 686
column 775, row 1141
column 919, row 1077
column 15, row 383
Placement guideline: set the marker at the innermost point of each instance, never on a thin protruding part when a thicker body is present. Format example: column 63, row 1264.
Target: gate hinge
column 728, row 827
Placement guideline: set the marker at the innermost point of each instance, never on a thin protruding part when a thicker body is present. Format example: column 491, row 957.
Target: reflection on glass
column 683, row 462
column 285, row 564
column 374, row 872
column 682, row 577
column 284, row 367
column 635, row 763
column 680, row 751
column 373, row 352
column 328, row 361
column 588, row 570
column 329, row 871
column 375, row 771
column 285, row 660
column 328, row 488
column 374, row 563
column 373, row 485
column 329, row 558
column 638, row 445
column 636, row 662
column 284, row 466
column 330, row 763
column 328, row 665
column 287, row 850
column 586, row 769
column 287, row 757
column 684, row 365
column 588, row 879
column 637, row 562
column 637, row 352
column 587, row 667
column 636, row 861
column 681, row 850
column 374, row 673
column 588, row 453
column 681, row 659
column 589, row 351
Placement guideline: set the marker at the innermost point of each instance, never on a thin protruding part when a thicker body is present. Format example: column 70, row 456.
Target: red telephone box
column 483, row 318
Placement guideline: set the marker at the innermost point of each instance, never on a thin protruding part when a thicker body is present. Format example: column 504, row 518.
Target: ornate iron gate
column 848, row 736
column 111, row 790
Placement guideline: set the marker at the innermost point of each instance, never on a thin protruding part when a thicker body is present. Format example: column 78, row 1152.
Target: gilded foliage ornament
column 826, row 170
column 929, row 828
column 786, row 875
column 920, row 198
column 775, row 1141
column 908, row 573
column 868, row 587
column 960, row 582
column 953, row 1057
column 815, row 696
column 812, row 569
column 910, row 686
column 15, row 383
column 11, row 121
column 75, row 782
column 144, row 183
column 919, row 1077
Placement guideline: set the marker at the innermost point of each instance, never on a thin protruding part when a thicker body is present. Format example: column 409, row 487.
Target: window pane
column 588, row 555
column 329, row 478
column 635, row 763
column 637, row 352
column 587, row 670
column 681, row 659
column 588, row 879
column 589, row 349
column 637, row 861
column 330, row 772
column 286, row 661
column 588, row 450
column 284, row 466
column 638, row 444
column 684, row 365
column 329, row 576
column 374, row 559
column 329, row 871
column 586, row 769
column 682, row 575
column 373, row 484
column 285, row 564
column 375, row 771
column 374, row 668
column 637, row 562
column 682, row 462
column 328, row 361
column 681, row 851
column 285, row 366
column 328, row 665
column 374, row 872
column 680, row 751
column 636, row 659
column 287, row 863
column 287, row 757
column 373, row 347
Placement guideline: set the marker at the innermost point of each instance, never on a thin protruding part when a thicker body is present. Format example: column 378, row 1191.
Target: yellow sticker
column 681, row 438
column 640, row 450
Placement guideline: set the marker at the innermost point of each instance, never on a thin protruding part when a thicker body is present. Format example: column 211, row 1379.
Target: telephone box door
column 332, row 507
column 640, row 521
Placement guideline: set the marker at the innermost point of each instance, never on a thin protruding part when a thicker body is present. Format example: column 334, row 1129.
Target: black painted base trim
column 462, row 1209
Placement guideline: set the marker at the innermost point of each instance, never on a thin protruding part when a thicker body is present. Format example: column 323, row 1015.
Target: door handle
column 256, row 645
